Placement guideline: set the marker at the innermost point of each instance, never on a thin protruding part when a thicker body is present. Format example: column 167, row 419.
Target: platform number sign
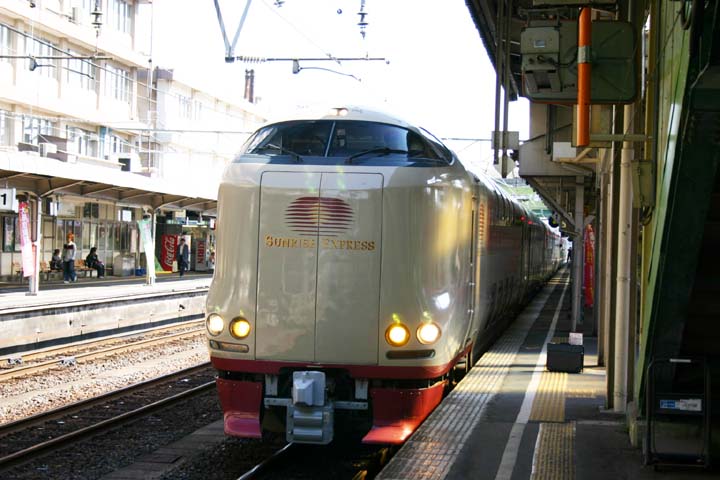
column 7, row 199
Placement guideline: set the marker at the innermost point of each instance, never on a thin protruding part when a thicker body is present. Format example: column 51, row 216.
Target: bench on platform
column 81, row 268
column 49, row 272
column 45, row 271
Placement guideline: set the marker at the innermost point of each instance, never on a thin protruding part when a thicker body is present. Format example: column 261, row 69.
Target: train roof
column 348, row 112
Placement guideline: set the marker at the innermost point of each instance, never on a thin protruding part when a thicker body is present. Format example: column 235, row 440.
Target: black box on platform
column 563, row 357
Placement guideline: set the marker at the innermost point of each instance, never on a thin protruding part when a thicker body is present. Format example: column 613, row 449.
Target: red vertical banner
column 168, row 247
column 200, row 251
column 589, row 266
column 26, row 246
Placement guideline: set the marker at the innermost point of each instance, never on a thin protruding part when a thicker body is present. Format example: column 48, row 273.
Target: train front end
column 338, row 289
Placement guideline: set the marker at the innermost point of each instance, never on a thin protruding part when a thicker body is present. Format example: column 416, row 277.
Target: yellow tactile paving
column 554, row 451
column 435, row 446
column 549, row 404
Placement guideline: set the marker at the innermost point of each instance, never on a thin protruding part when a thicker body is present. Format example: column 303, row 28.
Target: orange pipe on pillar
column 584, row 69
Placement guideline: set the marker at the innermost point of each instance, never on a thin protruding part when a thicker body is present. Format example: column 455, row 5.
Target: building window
column 117, row 83
column 8, row 225
column 114, row 144
column 5, row 121
column 5, row 45
column 40, row 47
column 197, row 113
column 80, row 73
column 82, row 142
column 91, row 210
column 34, row 126
column 119, row 15
column 184, row 106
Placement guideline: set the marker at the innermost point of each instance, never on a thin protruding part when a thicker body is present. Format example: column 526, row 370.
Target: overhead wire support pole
column 584, row 72
column 504, row 167
column 230, row 48
column 499, row 61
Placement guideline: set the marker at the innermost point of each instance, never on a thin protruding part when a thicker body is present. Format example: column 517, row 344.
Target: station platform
column 510, row 418
column 14, row 295
column 95, row 307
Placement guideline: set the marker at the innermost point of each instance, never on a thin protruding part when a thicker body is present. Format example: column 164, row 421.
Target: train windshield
column 347, row 141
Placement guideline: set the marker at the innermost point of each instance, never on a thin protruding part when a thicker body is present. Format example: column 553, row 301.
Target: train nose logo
column 312, row 216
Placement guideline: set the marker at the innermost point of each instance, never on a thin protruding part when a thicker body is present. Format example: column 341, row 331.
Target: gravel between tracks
column 228, row 460
column 25, row 396
column 106, row 453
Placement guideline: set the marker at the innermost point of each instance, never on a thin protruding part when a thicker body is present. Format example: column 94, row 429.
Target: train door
column 287, row 265
column 319, row 267
column 348, row 272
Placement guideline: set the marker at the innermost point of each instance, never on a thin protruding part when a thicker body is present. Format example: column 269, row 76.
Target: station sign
column 7, row 200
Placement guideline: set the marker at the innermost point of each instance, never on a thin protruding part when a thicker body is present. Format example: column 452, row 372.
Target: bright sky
column 438, row 75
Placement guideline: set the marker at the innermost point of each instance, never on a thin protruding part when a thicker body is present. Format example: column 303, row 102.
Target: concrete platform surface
column 93, row 289
column 511, row 419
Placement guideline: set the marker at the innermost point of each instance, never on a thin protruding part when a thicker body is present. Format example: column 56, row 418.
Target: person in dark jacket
column 56, row 262
column 92, row 261
column 183, row 256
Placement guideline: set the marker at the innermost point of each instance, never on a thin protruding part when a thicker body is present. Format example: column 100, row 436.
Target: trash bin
column 678, row 413
column 564, row 357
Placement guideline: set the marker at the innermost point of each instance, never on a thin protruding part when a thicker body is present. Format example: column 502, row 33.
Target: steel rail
column 117, row 349
column 268, row 462
column 24, row 423
column 34, row 354
column 61, row 442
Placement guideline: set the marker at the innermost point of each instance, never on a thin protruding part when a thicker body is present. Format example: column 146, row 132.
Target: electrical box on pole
column 549, row 64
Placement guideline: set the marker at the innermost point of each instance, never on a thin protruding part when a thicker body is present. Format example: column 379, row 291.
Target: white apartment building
column 91, row 143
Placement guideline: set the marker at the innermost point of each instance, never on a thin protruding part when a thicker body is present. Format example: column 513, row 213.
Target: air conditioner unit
column 45, row 148
column 77, row 15
column 129, row 161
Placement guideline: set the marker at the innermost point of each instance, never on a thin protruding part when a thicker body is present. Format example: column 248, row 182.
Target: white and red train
column 359, row 264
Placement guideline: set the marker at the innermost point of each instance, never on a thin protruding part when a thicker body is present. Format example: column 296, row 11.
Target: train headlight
column 239, row 327
column 428, row 333
column 215, row 324
column 397, row 335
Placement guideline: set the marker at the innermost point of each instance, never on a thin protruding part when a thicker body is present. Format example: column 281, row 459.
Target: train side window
column 439, row 149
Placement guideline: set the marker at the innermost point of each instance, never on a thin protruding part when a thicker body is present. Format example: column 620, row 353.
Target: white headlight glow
column 215, row 324
column 428, row 333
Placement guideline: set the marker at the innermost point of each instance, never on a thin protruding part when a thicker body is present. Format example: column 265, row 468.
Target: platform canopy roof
column 46, row 177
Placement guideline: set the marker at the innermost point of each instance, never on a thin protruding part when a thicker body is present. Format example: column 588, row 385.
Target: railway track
column 346, row 458
column 87, row 351
column 268, row 463
column 24, row 439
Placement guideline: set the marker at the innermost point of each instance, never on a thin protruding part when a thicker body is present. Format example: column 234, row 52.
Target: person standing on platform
column 68, row 258
column 92, row 261
column 183, row 256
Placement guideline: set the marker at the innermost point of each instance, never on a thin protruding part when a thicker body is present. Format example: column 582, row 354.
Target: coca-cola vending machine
column 168, row 249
